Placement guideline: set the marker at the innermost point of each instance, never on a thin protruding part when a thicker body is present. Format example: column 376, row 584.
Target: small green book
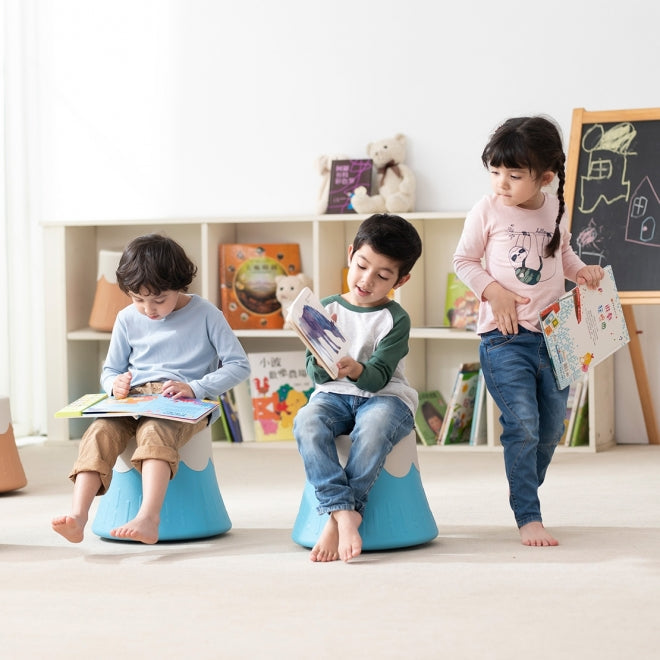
column 75, row 408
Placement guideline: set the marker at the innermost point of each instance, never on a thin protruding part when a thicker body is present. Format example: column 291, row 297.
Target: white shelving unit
column 75, row 352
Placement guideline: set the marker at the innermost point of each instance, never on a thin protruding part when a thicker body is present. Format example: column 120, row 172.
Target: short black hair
column 392, row 236
column 156, row 263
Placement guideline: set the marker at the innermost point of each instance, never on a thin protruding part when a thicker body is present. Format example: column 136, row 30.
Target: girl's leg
column 519, row 380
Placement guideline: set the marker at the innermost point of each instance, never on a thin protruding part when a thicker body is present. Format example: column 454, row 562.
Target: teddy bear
column 324, row 167
column 287, row 287
column 395, row 180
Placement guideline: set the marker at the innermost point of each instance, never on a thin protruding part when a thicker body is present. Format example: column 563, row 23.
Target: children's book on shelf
column 230, row 417
column 478, row 427
column 457, row 423
column 580, row 431
column 279, row 387
column 582, row 328
column 345, row 177
column 574, row 392
column 429, row 416
column 461, row 305
column 139, row 405
column 317, row 330
column 247, row 278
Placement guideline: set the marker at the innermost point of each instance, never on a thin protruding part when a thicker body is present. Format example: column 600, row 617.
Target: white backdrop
column 201, row 108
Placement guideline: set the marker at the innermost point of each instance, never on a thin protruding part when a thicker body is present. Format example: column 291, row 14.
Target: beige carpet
column 475, row 592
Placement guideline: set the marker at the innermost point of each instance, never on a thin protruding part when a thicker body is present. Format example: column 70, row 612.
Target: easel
column 628, row 299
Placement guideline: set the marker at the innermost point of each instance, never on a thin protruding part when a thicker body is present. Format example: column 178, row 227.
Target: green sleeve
column 391, row 350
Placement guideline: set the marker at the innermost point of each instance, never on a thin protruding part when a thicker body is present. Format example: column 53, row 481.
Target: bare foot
column 72, row 528
column 144, row 530
column 327, row 547
column 350, row 541
column 535, row 534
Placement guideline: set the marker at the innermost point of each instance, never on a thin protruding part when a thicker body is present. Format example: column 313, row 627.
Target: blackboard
column 613, row 196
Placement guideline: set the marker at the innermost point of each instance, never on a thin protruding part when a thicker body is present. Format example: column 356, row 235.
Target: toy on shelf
column 396, row 183
column 287, row 289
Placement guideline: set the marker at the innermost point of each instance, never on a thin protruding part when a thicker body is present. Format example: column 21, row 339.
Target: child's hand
column 121, row 386
column 175, row 389
column 590, row 275
column 503, row 303
column 349, row 368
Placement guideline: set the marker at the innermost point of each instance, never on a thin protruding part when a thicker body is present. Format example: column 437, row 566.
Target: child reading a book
column 370, row 399
column 167, row 341
column 520, row 233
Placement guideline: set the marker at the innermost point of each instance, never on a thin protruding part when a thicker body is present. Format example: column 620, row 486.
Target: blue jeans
column 375, row 425
column 519, row 377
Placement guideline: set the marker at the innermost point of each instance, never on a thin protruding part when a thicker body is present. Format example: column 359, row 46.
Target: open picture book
column 582, row 328
column 317, row 330
column 139, row 405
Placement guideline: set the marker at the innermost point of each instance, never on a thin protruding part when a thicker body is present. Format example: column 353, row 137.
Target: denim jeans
column 375, row 425
column 519, row 377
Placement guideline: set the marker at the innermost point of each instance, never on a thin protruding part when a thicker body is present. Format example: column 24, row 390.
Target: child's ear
column 547, row 178
column 350, row 252
column 402, row 281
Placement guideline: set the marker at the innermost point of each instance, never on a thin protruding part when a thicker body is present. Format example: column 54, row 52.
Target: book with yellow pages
column 139, row 405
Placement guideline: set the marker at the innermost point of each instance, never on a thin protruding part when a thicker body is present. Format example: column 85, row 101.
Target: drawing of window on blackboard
column 642, row 213
column 606, row 178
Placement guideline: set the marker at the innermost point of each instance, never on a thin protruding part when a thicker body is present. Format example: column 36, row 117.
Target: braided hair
column 534, row 144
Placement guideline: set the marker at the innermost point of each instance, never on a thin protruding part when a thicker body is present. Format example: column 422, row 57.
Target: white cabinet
column 75, row 352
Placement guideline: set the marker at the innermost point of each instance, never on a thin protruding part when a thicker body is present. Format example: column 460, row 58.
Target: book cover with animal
column 582, row 328
column 248, row 273
column 345, row 177
column 458, row 420
column 279, row 387
column 429, row 416
column 317, row 330
column 461, row 305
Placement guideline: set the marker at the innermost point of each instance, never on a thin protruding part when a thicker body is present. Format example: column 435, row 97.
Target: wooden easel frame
column 628, row 298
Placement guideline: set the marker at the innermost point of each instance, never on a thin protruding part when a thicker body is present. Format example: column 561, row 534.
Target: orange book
column 247, row 282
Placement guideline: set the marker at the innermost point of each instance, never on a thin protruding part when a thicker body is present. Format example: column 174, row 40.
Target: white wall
column 197, row 108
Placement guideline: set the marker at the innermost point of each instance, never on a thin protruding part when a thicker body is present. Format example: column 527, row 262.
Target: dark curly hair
column 154, row 263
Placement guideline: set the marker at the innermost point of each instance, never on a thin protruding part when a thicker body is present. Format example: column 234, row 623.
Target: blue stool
column 193, row 507
column 397, row 514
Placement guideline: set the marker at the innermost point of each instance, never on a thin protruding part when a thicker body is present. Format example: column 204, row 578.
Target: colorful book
column 572, row 403
column 140, row 405
column 478, row 430
column 457, row 423
column 317, row 330
column 429, row 416
column 583, row 328
column 461, row 305
column 248, row 273
column 345, row 177
column 279, row 387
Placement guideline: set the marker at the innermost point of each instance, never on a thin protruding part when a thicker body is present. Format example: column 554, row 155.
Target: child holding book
column 167, row 341
column 370, row 399
column 519, row 232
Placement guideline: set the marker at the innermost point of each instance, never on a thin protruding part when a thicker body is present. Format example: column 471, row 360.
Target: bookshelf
column 75, row 352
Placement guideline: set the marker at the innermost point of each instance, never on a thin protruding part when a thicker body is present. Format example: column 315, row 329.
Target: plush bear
column 395, row 180
column 287, row 287
column 324, row 167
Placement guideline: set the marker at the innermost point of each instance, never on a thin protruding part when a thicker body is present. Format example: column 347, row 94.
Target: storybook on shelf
column 461, row 305
column 457, row 423
column 429, row 416
column 139, row 405
column 248, row 286
column 582, row 328
column 478, row 427
column 230, row 419
column 580, row 431
column 345, row 177
column 317, row 330
column 279, row 388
